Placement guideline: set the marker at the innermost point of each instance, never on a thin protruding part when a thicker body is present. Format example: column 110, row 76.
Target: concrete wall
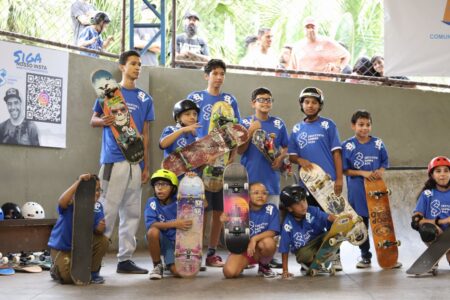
column 413, row 124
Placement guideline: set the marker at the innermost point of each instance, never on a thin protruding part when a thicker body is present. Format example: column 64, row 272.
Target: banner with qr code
column 417, row 37
column 33, row 89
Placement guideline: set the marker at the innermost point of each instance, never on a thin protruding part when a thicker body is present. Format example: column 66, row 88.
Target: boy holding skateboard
column 364, row 156
column 215, row 71
column 60, row 241
column 185, row 114
column 432, row 213
column 303, row 229
column 316, row 140
column 121, row 180
column 264, row 226
column 161, row 222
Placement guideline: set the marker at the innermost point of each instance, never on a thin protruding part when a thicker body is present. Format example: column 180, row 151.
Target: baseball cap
column 191, row 14
column 11, row 93
column 309, row 21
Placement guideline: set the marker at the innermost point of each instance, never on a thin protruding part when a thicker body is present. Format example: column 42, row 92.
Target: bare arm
column 337, row 158
column 145, row 176
column 98, row 120
column 67, row 196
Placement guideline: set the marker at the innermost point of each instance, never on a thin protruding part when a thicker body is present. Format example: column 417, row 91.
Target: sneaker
column 266, row 271
column 129, row 267
column 337, row 263
column 214, row 261
column 275, row 263
column 202, row 268
column 363, row 263
column 157, row 272
column 398, row 265
column 96, row 278
column 434, row 269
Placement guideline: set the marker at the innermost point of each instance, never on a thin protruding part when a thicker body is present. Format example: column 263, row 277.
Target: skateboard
column 320, row 185
column 21, row 262
column 82, row 232
column 330, row 245
column 236, row 208
column 189, row 243
column 265, row 143
column 218, row 142
column 431, row 256
column 124, row 129
column 221, row 114
column 386, row 245
column 5, row 268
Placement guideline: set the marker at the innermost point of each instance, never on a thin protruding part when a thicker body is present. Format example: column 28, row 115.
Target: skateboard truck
column 387, row 244
column 379, row 194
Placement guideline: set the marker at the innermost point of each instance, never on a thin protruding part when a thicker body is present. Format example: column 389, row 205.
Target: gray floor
column 373, row 283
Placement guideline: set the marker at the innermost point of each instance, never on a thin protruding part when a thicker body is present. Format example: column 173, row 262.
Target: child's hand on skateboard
column 108, row 120
column 183, row 224
column 84, row 177
column 378, row 173
column 191, row 174
column 338, row 185
column 277, row 163
column 305, row 164
column 101, row 226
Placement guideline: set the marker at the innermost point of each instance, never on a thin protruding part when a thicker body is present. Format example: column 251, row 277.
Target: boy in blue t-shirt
column 303, row 230
column 316, row 140
column 91, row 38
column 364, row 156
column 264, row 226
column 121, row 180
column 185, row 113
column 60, row 241
column 215, row 71
column 160, row 217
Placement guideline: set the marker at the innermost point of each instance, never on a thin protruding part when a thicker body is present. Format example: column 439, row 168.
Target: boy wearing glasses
column 264, row 226
column 60, row 241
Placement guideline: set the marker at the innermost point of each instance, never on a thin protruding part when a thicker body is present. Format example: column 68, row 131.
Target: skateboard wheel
column 226, row 231
column 225, row 186
column 313, row 272
column 434, row 272
column 16, row 259
column 332, row 271
column 247, row 231
column 332, row 242
column 5, row 260
column 389, row 191
column 246, row 186
column 399, row 243
column 31, row 257
column 1, row 255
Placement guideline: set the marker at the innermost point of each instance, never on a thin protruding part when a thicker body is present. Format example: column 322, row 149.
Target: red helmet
column 438, row 161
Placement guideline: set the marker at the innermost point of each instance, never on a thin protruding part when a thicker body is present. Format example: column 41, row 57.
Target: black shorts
column 215, row 201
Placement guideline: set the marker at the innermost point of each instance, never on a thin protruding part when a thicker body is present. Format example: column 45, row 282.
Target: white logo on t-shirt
column 325, row 125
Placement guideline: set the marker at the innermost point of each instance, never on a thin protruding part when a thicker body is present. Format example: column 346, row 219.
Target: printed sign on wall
column 33, row 95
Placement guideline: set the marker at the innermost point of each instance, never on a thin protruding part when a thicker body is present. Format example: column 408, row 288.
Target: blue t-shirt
column 181, row 142
column 433, row 204
column 296, row 234
column 156, row 212
column 87, row 34
column 366, row 157
column 141, row 106
column 315, row 142
column 259, row 169
column 266, row 218
column 205, row 102
column 61, row 235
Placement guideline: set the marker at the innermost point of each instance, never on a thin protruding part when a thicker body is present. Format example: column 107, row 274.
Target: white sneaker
column 337, row 263
column 157, row 272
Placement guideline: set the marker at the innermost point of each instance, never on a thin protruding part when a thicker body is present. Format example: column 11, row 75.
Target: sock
column 155, row 263
column 265, row 260
column 211, row 251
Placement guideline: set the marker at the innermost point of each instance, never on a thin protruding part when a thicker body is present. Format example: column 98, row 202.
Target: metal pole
column 124, row 15
column 162, row 28
column 173, row 31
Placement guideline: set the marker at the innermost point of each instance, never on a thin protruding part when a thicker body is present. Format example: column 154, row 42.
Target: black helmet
column 11, row 211
column 99, row 18
column 311, row 92
column 292, row 194
column 182, row 106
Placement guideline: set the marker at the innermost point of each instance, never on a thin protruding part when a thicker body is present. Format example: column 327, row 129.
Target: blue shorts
column 167, row 249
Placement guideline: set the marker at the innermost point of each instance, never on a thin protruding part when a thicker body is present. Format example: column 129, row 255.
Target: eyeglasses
column 162, row 184
column 260, row 193
column 264, row 100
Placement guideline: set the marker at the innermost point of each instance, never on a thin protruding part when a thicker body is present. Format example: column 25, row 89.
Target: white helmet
column 33, row 210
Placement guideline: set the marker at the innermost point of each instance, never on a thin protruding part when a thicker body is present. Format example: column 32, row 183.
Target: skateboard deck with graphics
column 189, row 243
column 221, row 114
column 432, row 255
column 82, row 232
column 124, row 129
column 321, row 187
column 205, row 150
column 386, row 245
column 330, row 245
column 236, row 208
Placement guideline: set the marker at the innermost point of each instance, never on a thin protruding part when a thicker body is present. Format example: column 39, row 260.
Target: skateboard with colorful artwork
column 236, row 208
column 221, row 113
column 28, row 259
column 330, row 245
column 21, row 262
column 431, row 256
column 82, row 232
column 124, row 129
column 265, row 143
column 205, row 150
column 321, row 187
column 384, row 240
column 189, row 243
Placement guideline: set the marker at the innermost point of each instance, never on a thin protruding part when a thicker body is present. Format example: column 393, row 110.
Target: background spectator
column 263, row 56
column 285, row 57
column 91, row 37
column 81, row 12
column 251, row 42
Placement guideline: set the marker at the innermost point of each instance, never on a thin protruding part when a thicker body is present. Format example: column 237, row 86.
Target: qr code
column 44, row 98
